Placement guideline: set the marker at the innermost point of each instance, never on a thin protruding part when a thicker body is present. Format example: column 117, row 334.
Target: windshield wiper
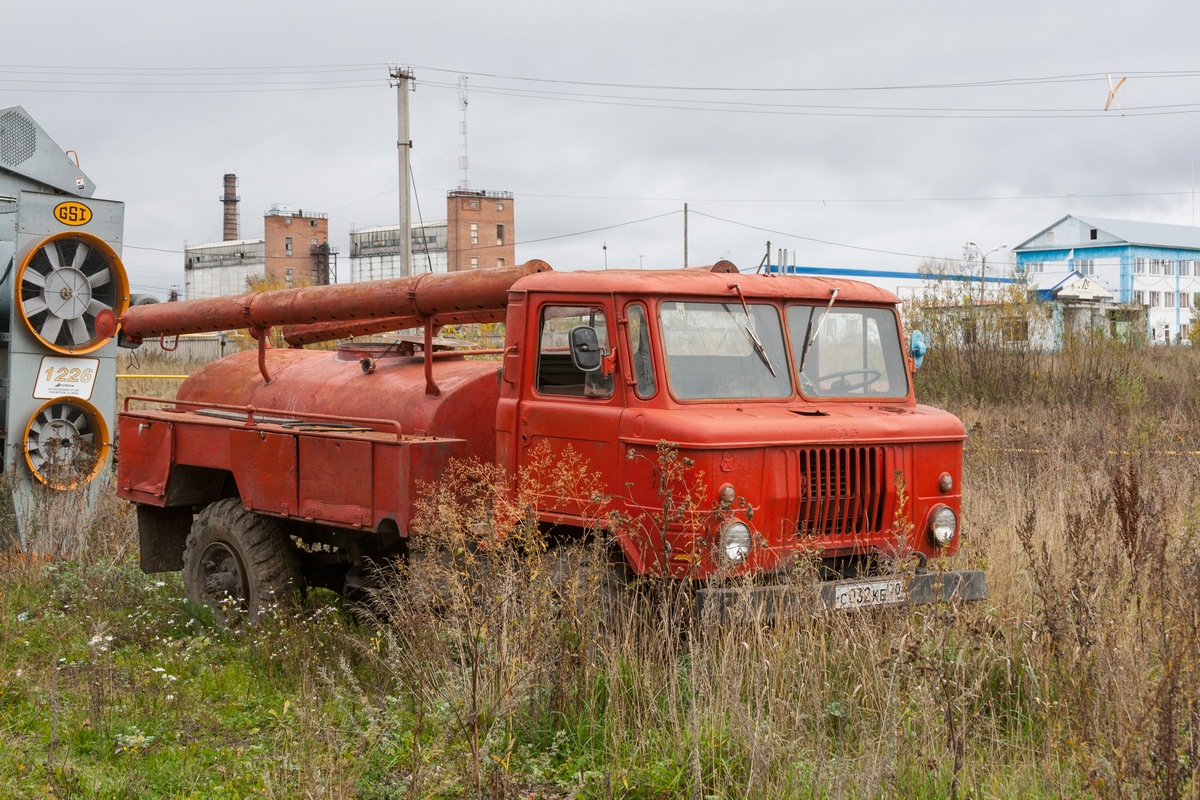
column 749, row 329
column 809, row 341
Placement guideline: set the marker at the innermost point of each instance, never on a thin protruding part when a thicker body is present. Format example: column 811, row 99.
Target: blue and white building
column 907, row 284
column 1147, row 264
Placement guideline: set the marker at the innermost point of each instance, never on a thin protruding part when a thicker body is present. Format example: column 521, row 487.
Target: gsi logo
column 72, row 213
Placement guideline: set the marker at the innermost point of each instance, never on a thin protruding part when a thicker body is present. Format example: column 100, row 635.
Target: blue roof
column 883, row 273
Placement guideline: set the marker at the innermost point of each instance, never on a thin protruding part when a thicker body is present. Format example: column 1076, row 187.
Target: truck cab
column 737, row 424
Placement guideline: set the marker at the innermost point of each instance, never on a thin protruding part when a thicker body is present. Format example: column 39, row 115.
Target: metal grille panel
column 842, row 491
column 18, row 138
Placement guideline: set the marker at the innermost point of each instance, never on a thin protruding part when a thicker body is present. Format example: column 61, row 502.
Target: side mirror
column 585, row 348
column 917, row 347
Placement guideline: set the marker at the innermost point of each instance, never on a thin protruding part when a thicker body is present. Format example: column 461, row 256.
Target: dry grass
column 488, row 667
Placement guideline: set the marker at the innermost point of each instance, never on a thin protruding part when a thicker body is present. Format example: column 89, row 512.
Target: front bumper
column 775, row 600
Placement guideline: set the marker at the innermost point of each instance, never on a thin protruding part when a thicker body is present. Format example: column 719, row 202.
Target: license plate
column 865, row 594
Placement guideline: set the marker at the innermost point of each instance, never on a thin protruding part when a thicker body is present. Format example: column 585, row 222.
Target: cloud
column 866, row 134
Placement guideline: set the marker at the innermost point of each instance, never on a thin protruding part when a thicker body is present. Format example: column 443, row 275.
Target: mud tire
column 239, row 563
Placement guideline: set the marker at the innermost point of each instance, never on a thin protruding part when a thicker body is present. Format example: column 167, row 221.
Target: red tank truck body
column 791, row 398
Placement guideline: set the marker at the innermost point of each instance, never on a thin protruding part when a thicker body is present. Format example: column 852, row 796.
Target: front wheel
column 238, row 562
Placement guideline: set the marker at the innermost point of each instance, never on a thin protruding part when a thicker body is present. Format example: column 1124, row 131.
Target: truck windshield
column 724, row 351
column 852, row 352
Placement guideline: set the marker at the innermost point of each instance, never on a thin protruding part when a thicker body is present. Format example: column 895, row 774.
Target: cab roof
column 702, row 282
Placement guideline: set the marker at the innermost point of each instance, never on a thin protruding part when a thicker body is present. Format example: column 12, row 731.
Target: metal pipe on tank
column 422, row 296
column 300, row 335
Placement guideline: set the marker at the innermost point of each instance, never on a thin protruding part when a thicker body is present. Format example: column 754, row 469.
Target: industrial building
column 1149, row 265
column 476, row 234
column 375, row 252
column 294, row 250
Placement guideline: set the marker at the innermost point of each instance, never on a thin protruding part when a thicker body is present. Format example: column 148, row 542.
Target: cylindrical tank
column 421, row 296
column 334, row 383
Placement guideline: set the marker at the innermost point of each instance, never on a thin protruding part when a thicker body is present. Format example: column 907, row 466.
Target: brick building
column 293, row 250
column 480, row 230
column 296, row 246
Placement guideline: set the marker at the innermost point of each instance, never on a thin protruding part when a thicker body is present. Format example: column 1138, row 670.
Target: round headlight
column 736, row 541
column 942, row 526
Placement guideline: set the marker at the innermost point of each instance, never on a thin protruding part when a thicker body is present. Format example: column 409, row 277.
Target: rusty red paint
column 422, row 296
column 810, row 477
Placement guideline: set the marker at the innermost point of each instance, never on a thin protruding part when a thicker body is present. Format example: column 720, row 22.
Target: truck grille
column 842, row 490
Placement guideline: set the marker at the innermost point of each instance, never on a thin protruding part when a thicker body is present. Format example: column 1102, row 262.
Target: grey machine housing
column 59, row 265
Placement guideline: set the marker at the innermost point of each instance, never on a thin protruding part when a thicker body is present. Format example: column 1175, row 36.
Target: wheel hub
column 223, row 574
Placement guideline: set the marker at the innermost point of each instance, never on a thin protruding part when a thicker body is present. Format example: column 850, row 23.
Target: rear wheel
column 239, row 563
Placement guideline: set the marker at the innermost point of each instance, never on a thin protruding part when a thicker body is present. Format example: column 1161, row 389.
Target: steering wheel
column 869, row 377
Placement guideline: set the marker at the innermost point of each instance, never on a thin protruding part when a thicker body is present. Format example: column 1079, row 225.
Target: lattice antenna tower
column 464, row 163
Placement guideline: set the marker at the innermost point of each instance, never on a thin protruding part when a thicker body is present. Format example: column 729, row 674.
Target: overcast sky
column 854, row 134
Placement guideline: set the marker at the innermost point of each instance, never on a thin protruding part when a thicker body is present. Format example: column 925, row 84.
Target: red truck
column 790, row 397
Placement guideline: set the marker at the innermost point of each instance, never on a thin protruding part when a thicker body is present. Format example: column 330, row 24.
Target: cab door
column 568, row 419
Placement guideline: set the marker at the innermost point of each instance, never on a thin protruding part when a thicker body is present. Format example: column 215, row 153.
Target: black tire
column 594, row 584
column 238, row 563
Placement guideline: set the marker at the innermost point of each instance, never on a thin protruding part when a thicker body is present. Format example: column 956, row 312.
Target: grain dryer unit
column 60, row 269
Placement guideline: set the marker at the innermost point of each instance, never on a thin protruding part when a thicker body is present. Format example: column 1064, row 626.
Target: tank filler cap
column 106, row 324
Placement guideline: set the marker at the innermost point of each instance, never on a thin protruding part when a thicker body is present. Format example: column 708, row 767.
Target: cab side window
column 639, row 348
column 556, row 373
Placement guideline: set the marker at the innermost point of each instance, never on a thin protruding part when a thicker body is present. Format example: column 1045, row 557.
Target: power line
column 597, row 230
column 132, row 80
column 850, row 200
column 996, row 82
column 814, row 240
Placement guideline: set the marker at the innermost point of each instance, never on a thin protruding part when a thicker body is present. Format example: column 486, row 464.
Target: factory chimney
column 230, row 200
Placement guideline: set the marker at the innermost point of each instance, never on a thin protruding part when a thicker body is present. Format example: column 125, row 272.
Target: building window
column 474, row 205
column 1184, row 268
column 499, row 262
column 499, row 234
column 474, row 233
column 1155, row 299
column 474, row 263
column 1160, row 266
column 1092, row 234
column 1139, row 298
column 1139, row 266
column 1014, row 329
column 1170, row 298
column 499, row 206
column 287, row 245
column 1085, row 266
column 1185, row 300
column 287, row 276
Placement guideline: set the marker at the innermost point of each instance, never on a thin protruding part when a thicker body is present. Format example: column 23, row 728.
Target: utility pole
column 983, row 266
column 403, row 76
column 685, row 235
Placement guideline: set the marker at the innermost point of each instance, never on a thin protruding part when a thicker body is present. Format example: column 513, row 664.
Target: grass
column 1077, row 678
